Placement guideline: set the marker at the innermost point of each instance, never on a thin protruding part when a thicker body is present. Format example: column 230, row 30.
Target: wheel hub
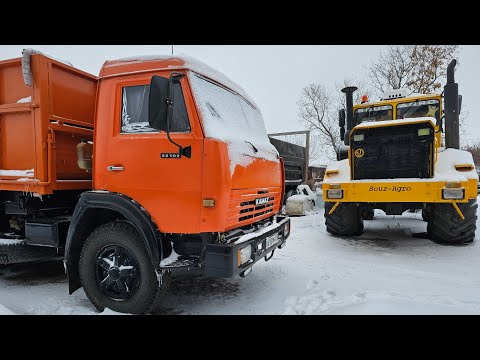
column 117, row 272
column 114, row 273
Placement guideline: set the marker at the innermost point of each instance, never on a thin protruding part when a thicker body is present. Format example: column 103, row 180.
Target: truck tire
column 22, row 253
column 345, row 220
column 117, row 273
column 446, row 227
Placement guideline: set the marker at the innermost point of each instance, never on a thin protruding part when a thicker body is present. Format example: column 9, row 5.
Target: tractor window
column 374, row 113
column 135, row 110
column 422, row 108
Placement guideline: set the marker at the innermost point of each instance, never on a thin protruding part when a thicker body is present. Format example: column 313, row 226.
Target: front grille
column 392, row 152
column 243, row 209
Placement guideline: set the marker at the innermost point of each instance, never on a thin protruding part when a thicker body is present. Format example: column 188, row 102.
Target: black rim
column 117, row 272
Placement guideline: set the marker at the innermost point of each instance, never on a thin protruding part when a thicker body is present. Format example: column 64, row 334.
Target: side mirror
column 342, row 133
column 341, row 117
column 157, row 103
column 459, row 104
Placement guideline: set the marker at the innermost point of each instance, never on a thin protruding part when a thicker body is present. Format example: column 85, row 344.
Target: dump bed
column 41, row 125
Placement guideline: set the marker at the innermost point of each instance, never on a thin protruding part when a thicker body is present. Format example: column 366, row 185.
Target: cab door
column 142, row 162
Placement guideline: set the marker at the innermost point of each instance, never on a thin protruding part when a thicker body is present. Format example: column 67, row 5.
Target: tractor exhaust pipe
column 349, row 90
column 452, row 109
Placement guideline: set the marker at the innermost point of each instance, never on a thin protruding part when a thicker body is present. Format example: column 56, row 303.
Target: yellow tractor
column 393, row 159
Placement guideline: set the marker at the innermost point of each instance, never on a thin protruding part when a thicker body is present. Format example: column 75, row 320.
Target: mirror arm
column 182, row 151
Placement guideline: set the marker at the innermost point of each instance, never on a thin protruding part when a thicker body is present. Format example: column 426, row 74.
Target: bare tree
column 318, row 111
column 315, row 109
column 474, row 149
column 419, row 68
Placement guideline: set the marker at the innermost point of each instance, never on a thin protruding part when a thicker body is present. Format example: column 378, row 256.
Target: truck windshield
column 226, row 115
column 373, row 113
column 422, row 108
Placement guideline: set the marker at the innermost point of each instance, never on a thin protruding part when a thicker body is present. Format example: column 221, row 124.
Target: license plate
column 261, row 201
column 272, row 240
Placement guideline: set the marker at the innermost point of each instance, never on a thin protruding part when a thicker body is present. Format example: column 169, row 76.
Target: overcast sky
column 273, row 75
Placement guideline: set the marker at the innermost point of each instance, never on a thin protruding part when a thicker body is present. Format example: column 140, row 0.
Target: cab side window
column 134, row 115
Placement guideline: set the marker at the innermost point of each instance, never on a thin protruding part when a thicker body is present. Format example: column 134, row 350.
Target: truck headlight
column 334, row 194
column 286, row 230
column 244, row 255
column 453, row 194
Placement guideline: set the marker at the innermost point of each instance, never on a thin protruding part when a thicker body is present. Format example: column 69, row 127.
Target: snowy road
column 385, row 271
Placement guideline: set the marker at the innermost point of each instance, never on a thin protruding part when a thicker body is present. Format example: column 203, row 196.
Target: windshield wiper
column 254, row 148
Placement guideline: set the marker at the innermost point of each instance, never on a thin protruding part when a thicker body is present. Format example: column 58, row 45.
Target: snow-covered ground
column 385, row 271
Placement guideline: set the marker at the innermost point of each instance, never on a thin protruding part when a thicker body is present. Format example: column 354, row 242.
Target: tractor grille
column 250, row 205
column 393, row 152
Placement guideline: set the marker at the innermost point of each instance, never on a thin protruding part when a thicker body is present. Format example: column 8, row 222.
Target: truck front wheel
column 345, row 220
column 446, row 227
column 116, row 271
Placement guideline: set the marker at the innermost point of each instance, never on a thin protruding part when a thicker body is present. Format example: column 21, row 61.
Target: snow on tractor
column 393, row 159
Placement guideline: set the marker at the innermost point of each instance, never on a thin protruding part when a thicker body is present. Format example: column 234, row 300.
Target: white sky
column 273, row 75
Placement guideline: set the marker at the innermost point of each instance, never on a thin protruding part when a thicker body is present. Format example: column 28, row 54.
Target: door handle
column 115, row 168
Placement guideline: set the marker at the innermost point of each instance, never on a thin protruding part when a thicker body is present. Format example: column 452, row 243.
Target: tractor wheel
column 446, row 227
column 426, row 213
column 345, row 220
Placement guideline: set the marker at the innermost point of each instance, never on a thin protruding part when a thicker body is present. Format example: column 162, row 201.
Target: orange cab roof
column 135, row 64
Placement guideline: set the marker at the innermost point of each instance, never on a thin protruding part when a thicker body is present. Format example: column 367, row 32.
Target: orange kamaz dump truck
column 158, row 163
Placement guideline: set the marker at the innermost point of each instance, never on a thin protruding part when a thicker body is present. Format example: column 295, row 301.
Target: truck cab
column 159, row 163
column 180, row 155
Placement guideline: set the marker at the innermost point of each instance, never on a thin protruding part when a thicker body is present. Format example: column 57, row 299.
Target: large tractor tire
column 446, row 227
column 117, row 273
column 345, row 220
column 426, row 213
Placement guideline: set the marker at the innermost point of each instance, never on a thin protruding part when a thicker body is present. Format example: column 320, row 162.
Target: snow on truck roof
column 171, row 62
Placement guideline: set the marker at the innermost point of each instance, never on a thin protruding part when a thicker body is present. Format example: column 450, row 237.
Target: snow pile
column 266, row 229
column 5, row 311
column 23, row 173
column 343, row 175
column 395, row 122
column 171, row 259
column 25, row 100
column 445, row 166
column 26, row 70
column 108, row 311
column 228, row 117
column 11, row 242
column 302, row 203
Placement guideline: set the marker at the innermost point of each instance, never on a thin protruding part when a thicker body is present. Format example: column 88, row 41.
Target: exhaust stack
column 452, row 109
column 349, row 90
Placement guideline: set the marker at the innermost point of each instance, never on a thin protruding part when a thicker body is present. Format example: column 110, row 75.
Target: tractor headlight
column 423, row 132
column 359, row 137
column 335, row 194
column 453, row 194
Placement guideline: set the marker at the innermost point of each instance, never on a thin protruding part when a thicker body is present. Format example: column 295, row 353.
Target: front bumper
column 423, row 191
column 221, row 260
